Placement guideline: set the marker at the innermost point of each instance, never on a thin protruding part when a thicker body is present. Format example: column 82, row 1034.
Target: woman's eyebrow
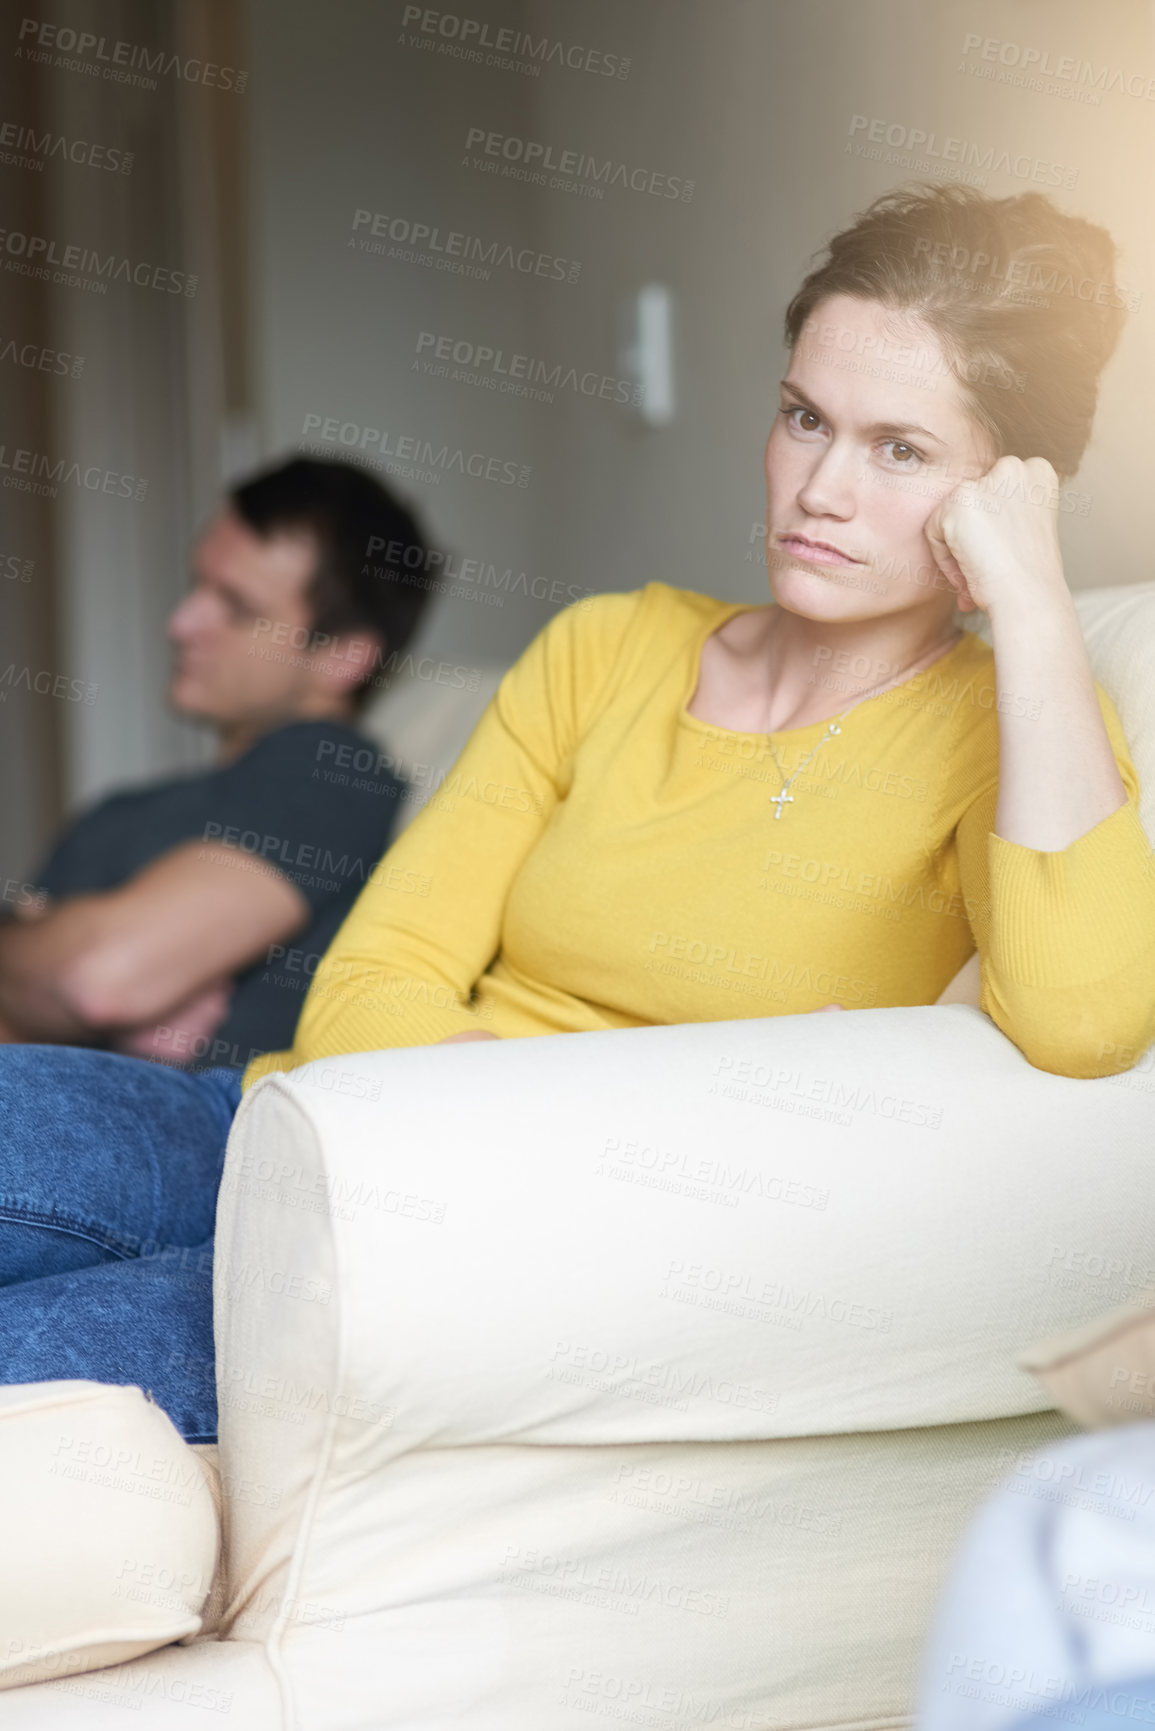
column 891, row 429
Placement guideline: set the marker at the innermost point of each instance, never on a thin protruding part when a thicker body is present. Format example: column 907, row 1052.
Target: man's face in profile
column 231, row 663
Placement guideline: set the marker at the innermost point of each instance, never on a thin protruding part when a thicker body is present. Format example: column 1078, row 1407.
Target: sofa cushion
column 110, row 1534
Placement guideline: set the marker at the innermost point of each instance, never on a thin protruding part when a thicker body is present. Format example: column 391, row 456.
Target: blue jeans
column 109, row 1171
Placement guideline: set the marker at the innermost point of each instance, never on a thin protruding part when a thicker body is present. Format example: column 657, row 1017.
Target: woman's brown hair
column 1021, row 297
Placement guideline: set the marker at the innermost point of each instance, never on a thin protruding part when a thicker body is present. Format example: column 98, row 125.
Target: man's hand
column 177, row 1035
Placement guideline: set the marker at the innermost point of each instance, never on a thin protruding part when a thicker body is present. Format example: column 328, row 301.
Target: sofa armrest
column 897, row 1192
column 726, row 1230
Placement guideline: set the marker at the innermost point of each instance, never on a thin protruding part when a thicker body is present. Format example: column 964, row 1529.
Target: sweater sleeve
column 402, row 968
column 1067, row 939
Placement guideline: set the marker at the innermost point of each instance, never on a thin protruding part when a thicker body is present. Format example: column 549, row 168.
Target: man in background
column 182, row 920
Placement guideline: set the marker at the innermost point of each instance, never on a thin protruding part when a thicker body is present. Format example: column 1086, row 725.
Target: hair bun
column 1022, row 298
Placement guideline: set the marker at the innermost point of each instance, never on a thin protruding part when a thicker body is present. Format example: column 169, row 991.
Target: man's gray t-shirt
column 312, row 799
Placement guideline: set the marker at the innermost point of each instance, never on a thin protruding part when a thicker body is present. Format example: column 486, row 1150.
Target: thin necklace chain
column 784, row 798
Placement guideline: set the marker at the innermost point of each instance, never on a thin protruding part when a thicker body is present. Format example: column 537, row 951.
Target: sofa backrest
column 422, row 726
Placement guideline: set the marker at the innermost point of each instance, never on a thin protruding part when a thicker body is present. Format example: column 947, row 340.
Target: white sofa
column 623, row 1376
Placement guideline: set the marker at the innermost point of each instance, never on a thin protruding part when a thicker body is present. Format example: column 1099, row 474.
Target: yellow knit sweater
column 598, row 858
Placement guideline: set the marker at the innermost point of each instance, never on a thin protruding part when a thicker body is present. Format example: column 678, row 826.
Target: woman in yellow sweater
column 678, row 808
column 681, row 809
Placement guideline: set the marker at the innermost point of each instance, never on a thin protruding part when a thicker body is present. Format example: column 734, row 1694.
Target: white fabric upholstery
column 112, row 1521
column 699, row 1158
column 225, row 1684
column 458, row 1524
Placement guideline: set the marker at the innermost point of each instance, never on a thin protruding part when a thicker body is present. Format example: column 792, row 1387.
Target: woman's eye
column 897, row 445
column 904, row 455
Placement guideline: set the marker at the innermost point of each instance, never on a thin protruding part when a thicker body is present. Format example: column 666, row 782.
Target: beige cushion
column 1102, row 1373
column 109, row 1532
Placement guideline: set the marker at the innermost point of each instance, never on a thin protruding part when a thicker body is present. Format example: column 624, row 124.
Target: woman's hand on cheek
column 997, row 537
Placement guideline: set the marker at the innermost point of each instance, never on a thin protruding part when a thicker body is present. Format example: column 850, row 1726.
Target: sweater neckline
column 730, row 610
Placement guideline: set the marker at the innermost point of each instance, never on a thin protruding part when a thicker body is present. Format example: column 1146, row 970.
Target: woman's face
column 871, row 433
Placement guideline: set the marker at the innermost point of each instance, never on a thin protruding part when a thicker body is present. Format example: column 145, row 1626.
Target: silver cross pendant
column 781, row 800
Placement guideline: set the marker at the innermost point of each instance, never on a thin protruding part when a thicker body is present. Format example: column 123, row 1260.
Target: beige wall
column 346, row 118
column 751, row 101
column 754, row 102
column 31, row 759
column 108, row 568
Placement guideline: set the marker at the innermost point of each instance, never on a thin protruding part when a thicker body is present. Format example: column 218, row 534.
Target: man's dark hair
column 373, row 564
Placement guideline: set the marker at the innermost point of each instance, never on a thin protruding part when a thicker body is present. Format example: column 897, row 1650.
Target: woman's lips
column 800, row 549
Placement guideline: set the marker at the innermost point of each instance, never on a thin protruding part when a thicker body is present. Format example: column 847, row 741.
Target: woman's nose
column 829, row 489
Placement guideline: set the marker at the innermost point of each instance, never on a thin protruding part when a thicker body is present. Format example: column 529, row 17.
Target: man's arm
column 125, row 957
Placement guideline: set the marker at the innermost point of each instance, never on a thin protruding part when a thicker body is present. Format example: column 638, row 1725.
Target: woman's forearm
column 1057, row 772
column 996, row 539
